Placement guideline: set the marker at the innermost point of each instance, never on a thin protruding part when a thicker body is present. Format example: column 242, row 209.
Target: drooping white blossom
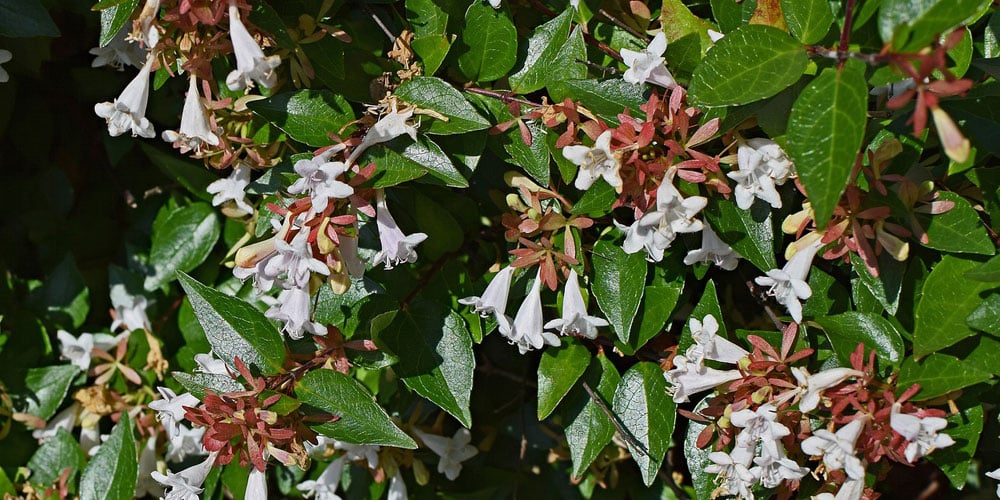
column 78, row 349
column 528, row 330
column 595, row 162
column 397, row 247
column 921, row 433
column 690, row 377
column 195, row 130
column 494, row 299
column 64, row 420
column 232, row 188
column 837, row 449
column 130, row 310
column 656, row 230
column 208, row 363
column 710, row 345
column 5, row 56
column 734, row 473
column 394, row 124
column 397, row 487
column 147, row 32
column 762, row 166
column 187, row 442
column 325, row 486
column 760, row 425
column 118, row 53
column 293, row 263
column 495, row 3
column 649, row 66
column 995, row 474
column 186, row 484
column 251, row 64
column 453, row 451
column 128, row 111
column 146, row 485
column 355, row 452
column 788, row 285
column 771, row 470
column 713, row 251
column 318, row 179
column 575, row 320
column 293, row 309
column 256, row 485
column 170, row 409
column 812, row 386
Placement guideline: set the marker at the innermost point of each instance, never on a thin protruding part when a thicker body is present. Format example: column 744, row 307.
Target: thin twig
column 425, row 279
column 603, row 69
column 627, row 436
column 507, row 98
column 378, row 21
column 622, row 25
column 845, row 34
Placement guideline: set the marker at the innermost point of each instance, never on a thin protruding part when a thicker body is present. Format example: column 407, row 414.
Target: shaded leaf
column 619, row 279
column 558, row 371
column 307, row 116
column 847, row 330
column 947, row 300
column 182, row 242
column 647, row 412
column 113, row 471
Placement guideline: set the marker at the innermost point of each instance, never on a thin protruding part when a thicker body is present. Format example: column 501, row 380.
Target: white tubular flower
column 995, row 474
column 128, row 111
column 118, row 53
column 656, row 229
column 171, row 409
column 709, row 345
column 528, row 331
column 232, row 188
column 595, row 162
column 186, row 443
column 130, row 310
column 195, row 130
column 256, row 485
column 208, row 363
column 922, row 433
column 755, row 179
column 146, row 485
column 186, row 484
column 5, row 56
column 387, row 128
column 251, row 65
column 397, row 487
column 64, row 420
column 325, row 486
column 355, row 452
column 715, row 36
column 649, row 66
column 837, row 449
column 575, row 320
column 453, row 451
column 788, row 285
column 321, row 448
column 396, row 246
column 495, row 4
column 293, row 264
column 494, row 299
column 713, row 251
column 78, row 349
column 147, row 33
column 772, row 470
column 761, row 425
column 292, row 307
column 812, row 386
column 689, row 377
column 318, row 179
column 732, row 469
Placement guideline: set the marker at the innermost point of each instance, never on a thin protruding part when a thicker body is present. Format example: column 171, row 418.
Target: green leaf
column 111, row 474
column 432, row 50
column 607, row 98
column 750, row 63
column 487, row 47
column 539, row 60
column 938, row 374
column 24, row 18
column 568, row 66
column 847, row 330
column 697, row 458
column 809, row 20
column 709, row 304
column 235, row 328
column 965, row 428
column 403, row 159
column 438, row 362
column 307, row 116
column 986, row 317
column 596, row 200
column 362, row 420
column 426, row 17
column 113, row 19
column 47, row 387
column 428, row 92
column 947, row 300
column 327, row 58
column 182, row 243
column 679, row 23
column 658, row 301
column 825, row 132
column 194, row 178
column 958, row 230
column 534, row 159
column 647, row 413
column 887, row 286
column 921, row 21
column 558, row 371
column 54, row 456
column 198, row 383
column 988, row 271
column 63, row 297
column 619, row 280
column 588, row 429
column 749, row 232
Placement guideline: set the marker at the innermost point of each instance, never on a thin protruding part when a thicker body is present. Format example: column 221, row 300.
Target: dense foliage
column 495, row 248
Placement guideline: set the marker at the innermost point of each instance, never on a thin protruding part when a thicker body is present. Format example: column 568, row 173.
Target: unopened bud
column 956, row 145
column 420, row 472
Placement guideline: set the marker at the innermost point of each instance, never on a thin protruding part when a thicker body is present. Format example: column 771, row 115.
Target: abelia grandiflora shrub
column 713, row 239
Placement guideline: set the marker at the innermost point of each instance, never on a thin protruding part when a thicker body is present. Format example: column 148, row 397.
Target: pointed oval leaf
column 112, row 473
column 198, row 383
column 588, row 429
column 113, row 19
column 922, row 21
column 947, row 300
column 938, row 374
column 809, row 20
column 434, row 94
column 647, row 412
column 958, row 230
column 558, row 371
column 47, row 387
column 846, row 330
column 751, row 63
column 182, row 242
column 362, row 420
column 539, row 58
column 235, row 328
column 308, row 116
column 825, row 132
column 619, row 282
column 487, row 47
column 54, row 456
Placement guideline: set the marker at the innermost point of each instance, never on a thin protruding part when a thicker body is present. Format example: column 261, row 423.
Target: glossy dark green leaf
column 809, row 20
column 986, row 317
column 946, row 302
column 438, row 363
column 23, row 18
column 658, row 302
column 988, row 271
column 308, row 116
column 54, row 456
column 539, row 59
column 647, row 413
column 558, row 371
column 597, row 200
column 607, row 98
column 749, row 232
column 533, row 158
column 47, row 388
column 825, row 132
column 588, row 428
column 182, row 243
column 886, row 287
column 697, row 458
column 112, row 473
column 362, row 420
column 619, row 280
column 965, row 428
column 403, row 159
column 938, row 374
column 847, row 330
column 487, row 46
column 235, row 328
column 198, row 383
column 327, row 58
column 427, row 92
column 427, row 17
column 958, row 230
column 432, row 50
column 751, row 63
column 922, row 20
